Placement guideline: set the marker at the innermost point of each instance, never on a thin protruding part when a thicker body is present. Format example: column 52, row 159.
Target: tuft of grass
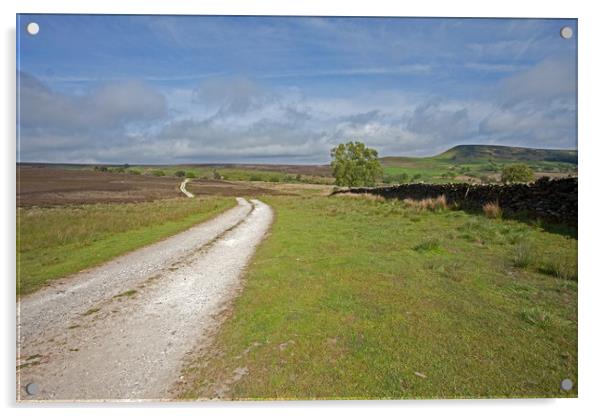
column 366, row 196
column 90, row 311
column 536, row 316
column 561, row 268
column 522, row 254
column 128, row 293
column 427, row 204
column 492, row 210
column 430, row 244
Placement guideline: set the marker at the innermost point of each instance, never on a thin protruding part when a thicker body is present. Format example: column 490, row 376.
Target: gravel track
column 184, row 190
column 121, row 331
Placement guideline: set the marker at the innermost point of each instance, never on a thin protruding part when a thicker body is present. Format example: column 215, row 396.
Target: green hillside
column 471, row 152
column 477, row 163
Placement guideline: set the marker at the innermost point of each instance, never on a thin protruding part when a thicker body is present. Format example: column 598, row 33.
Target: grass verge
column 55, row 242
column 349, row 298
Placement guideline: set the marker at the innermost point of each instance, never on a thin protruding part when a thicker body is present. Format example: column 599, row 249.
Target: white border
column 590, row 286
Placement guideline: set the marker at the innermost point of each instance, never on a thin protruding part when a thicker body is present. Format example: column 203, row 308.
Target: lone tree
column 517, row 173
column 354, row 164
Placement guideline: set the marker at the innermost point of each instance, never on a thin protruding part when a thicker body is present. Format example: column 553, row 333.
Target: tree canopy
column 518, row 172
column 355, row 164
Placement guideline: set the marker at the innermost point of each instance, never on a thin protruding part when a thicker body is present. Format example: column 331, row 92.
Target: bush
column 134, row 172
column 517, row 173
column 492, row 210
column 216, row 175
column 180, row 174
column 190, row 175
column 274, row 178
column 255, row 178
column 158, row 173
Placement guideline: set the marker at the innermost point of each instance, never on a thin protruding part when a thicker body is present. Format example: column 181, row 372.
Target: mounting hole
column 566, row 384
column 32, row 389
column 33, row 28
column 566, row 32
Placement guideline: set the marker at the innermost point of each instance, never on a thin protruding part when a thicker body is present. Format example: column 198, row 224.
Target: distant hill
column 477, row 153
column 477, row 163
column 471, row 152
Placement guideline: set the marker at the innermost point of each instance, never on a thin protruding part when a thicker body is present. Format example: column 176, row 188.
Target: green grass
column 55, row 242
column 439, row 170
column 351, row 298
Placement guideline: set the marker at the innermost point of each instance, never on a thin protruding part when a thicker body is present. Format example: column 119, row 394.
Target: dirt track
column 122, row 330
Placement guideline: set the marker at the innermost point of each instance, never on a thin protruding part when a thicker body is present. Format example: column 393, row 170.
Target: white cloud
column 240, row 120
column 110, row 106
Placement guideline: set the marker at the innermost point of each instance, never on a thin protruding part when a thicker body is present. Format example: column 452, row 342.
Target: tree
column 517, row 173
column 354, row 164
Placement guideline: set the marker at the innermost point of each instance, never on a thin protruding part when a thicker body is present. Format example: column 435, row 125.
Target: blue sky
column 177, row 89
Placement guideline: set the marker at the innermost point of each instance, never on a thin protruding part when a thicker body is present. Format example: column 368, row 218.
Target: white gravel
column 184, row 190
column 85, row 342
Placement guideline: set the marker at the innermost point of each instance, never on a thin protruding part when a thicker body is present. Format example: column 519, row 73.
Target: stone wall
column 553, row 200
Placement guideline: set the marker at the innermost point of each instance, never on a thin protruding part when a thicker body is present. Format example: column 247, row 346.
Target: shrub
column 492, row 210
column 190, row 175
column 180, row 174
column 255, row 178
column 158, row 173
column 518, row 172
column 216, row 175
column 134, row 172
column 274, row 178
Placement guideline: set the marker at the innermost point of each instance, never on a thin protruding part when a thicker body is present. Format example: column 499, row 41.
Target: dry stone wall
column 553, row 200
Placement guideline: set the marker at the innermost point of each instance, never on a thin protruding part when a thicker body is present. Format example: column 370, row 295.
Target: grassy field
column 55, row 242
column 255, row 174
column 359, row 298
column 436, row 170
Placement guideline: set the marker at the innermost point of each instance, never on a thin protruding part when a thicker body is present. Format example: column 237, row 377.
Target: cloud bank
column 286, row 90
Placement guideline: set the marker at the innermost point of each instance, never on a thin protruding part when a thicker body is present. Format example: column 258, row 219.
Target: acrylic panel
column 293, row 208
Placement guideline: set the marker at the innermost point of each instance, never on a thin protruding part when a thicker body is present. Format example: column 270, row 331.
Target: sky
column 234, row 89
